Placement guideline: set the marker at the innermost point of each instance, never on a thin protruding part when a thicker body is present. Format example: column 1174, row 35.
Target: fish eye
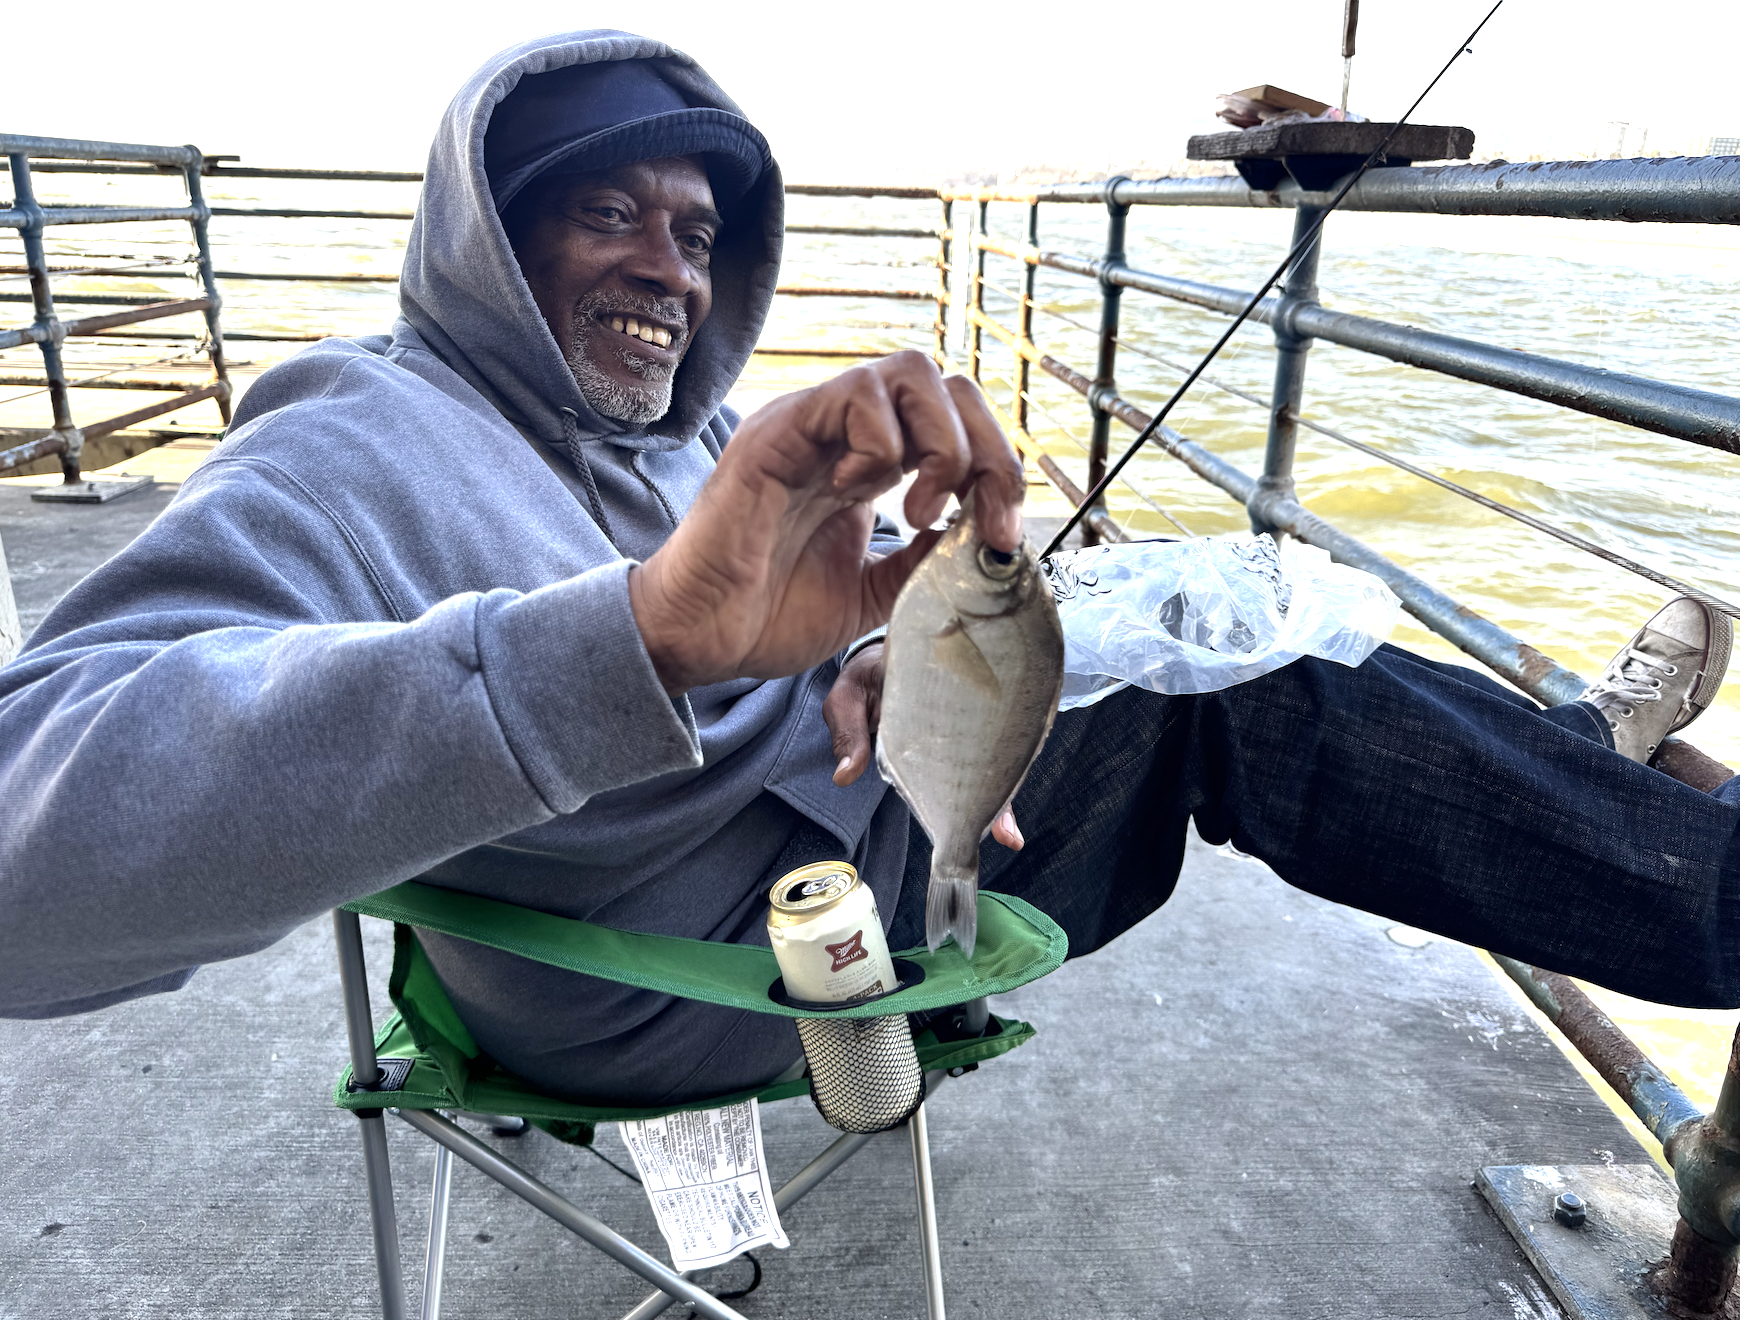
column 997, row 564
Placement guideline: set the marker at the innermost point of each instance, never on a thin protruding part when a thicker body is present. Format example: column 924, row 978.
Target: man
column 491, row 601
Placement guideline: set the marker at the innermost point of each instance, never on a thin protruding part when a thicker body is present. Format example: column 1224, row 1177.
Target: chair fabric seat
column 430, row 1060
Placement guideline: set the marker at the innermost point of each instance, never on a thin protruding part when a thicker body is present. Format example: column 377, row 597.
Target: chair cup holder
column 864, row 1073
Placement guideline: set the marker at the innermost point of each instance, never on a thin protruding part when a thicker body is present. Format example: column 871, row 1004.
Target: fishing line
column 1299, row 248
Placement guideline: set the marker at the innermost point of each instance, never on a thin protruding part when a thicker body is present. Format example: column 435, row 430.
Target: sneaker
column 1664, row 678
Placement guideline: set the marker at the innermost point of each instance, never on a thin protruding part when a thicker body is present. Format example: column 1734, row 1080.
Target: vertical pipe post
column 42, row 299
column 1706, row 1161
column 435, row 1258
column 202, row 245
column 944, row 281
column 1299, row 289
column 977, row 296
column 929, row 1246
column 366, row 1070
column 1106, row 365
column 1023, row 368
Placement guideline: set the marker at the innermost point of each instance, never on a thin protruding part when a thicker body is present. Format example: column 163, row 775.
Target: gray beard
column 637, row 404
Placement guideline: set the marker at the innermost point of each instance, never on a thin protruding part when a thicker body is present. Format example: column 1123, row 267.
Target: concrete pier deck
column 1256, row 1104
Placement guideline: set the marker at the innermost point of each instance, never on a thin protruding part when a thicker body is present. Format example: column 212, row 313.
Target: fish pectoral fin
column 958, row 653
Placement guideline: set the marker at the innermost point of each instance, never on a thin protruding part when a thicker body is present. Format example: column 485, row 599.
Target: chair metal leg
column 353, row 976
column 564, row 1212
column 435, row 1259
column 932, row 1251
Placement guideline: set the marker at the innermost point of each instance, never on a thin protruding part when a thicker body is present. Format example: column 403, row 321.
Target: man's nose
column 659, row 265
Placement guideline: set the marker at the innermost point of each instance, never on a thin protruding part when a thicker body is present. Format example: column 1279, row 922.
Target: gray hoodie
column 379, row 635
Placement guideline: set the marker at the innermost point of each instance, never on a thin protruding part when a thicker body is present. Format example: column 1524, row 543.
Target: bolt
column 1569, row 1210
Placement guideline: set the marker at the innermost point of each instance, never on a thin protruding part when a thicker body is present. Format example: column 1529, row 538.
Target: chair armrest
column 1017, row 943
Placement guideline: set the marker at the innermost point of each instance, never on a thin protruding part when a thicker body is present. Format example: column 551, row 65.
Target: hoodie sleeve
column 203, row 747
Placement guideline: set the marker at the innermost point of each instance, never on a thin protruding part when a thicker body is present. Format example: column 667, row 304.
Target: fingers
column 994, row 473
column 897, row 416
column 936, row 439
column 901, row 414
column 851, row 712
column 871, row 426
column 1006, row 832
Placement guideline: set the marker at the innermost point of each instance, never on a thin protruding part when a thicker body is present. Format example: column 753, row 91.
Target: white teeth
column 647, row 333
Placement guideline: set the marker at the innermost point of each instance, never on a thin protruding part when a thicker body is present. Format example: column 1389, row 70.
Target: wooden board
column 1414, row 141
column 1282, row 97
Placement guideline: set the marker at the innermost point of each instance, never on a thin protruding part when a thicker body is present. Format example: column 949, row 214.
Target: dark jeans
column 1424, row 792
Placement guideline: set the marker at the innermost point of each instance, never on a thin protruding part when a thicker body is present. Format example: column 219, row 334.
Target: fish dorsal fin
column 960, row 655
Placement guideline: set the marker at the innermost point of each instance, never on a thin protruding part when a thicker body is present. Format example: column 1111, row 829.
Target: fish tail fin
column 952, row 908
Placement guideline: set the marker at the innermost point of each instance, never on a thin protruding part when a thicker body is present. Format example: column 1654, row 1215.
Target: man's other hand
column 770, row 571
column 853, row 710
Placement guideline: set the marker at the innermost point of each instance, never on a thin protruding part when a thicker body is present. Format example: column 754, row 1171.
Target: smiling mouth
column 636, row 328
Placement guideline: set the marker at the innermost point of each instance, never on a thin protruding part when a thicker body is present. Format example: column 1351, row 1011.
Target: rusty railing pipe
column 1299, row 290
column 1105, row 382
column 46, row 331
column 1703, row 1150
column 945, row 284
column 1699, row 416
column 1023, row 364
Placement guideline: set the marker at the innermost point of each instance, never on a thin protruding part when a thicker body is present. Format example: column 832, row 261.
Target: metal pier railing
column 96, row 158
column 48, row 331
column 1704, row 1151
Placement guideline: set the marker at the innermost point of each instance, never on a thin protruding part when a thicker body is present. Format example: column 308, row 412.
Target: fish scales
column 973, row 669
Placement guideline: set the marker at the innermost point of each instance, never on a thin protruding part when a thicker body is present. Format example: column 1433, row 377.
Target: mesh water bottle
column 827, row 936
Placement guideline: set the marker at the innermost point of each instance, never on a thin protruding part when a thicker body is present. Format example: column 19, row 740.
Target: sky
column 896, row 91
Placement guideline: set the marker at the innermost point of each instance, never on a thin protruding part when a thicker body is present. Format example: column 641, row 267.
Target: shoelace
column 1630, row 678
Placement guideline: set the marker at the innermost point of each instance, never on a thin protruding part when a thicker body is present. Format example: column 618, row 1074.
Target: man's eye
column 699, row 243
column 610, row 214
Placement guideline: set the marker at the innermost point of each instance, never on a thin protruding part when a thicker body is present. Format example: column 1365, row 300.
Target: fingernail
column 840, row 769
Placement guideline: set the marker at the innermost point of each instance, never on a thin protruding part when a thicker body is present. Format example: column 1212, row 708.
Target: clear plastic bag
column 1202, row 615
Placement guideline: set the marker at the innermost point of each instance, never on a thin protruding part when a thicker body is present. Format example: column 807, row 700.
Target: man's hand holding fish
column 771, row 571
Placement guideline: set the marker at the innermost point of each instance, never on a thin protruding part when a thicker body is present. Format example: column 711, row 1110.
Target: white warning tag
column 706, row 1177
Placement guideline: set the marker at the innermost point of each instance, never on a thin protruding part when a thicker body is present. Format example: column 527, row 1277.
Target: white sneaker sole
column 1716, row 657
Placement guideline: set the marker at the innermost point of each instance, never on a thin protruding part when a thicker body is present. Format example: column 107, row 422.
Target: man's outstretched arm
column 210, row 748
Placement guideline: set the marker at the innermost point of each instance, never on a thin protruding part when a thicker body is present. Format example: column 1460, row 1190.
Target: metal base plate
column 93, row 490
column 1598, row 1270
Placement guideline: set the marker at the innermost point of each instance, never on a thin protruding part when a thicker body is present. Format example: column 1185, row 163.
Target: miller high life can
column 827, row 935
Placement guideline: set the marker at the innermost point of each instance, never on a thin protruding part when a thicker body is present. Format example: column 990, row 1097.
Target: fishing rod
column 1299, row 248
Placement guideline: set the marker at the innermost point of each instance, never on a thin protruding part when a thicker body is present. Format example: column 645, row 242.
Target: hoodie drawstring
column 571, row 434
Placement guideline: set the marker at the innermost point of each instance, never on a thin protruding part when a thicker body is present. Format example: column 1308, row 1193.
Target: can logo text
column 848, row 951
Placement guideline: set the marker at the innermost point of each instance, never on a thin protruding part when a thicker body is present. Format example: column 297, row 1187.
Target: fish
column 972, row 674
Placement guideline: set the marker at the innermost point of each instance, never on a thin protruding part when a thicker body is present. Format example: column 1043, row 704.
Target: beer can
column 827, row 935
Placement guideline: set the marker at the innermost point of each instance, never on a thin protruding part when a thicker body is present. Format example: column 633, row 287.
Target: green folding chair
column 423, row 1061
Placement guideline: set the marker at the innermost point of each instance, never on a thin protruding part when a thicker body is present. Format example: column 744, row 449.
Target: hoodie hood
column 463, row 294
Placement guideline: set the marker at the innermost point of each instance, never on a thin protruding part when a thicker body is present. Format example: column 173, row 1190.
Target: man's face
column 618, row 264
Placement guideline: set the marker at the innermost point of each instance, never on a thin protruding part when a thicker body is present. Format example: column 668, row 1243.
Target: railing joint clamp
column 74, row 439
